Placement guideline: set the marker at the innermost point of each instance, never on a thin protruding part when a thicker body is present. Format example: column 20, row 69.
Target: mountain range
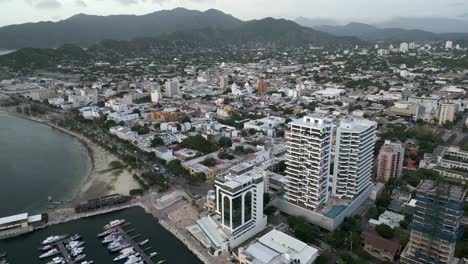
column 211, row 27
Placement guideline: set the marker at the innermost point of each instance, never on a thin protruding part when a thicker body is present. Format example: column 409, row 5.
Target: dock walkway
column 147, row 259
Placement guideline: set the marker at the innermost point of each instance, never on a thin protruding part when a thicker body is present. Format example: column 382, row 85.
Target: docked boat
column 161, row 261
column 53, row 239
column 133, row 259
column 120, row 247
column 109, row 238
column 46, row 247
column 105, row 233
column 74, row 244
column 3, row 261
column 87, row 262
column 142, row 243
column 75, row 237
column 116, row 243
column 114, row 224
column 153, row 254
column 57, row 260
column 49, row 253
column 124, row 253
column 76, row 252
column 80, row 257
column 2, row 254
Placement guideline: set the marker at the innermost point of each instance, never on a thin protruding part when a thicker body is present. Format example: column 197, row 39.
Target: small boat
column 114, row 224
column 124, row 253
column 120, row 247
column 49, row 253
column 133, row 259
column 153, row 254
column 109, row 238
column 105, row 233
column 87, row 262
column 161, row 261
column 75, row 237
column 80, row 257
column 57, row 260
column 53, row 239
column 46, row 247
column 74, row 244
column 142, row 243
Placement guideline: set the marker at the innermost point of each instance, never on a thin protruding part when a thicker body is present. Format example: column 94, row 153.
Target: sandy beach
column 102, row 178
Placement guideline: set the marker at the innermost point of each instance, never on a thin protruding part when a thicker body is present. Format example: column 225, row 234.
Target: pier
column 64, row 252
column 145, row 258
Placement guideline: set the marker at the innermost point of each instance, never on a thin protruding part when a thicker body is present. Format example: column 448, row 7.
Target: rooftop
column 445, row 190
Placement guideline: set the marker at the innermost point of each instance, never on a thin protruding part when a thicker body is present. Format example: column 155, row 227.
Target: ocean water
column 24, row 249
column 37, row 161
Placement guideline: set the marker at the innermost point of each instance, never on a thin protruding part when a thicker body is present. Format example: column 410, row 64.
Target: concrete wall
column 319, row 219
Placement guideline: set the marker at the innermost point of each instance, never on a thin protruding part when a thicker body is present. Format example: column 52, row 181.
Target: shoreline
column 100, row 179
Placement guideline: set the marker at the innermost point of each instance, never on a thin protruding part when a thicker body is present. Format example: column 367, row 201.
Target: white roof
column 261, row 253
column 13, row 218
column 210, row 228
column 288, row 247
column 35, row 218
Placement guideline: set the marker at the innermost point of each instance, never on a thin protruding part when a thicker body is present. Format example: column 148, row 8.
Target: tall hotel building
column 436, row 225
column 308, row 161
column 354, row 156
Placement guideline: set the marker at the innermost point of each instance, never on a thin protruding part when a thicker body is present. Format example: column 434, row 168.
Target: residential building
column 308, row 161
column 437, row 223
column 279, row 248
column 266, row 125
column 156, row 96
column 450, row 162
column 446, row 112
column 449, row 44
column 354, row 155
column 379, row 247
column 390, row 161
column 43, row 94
column 172, row 88
column 262, row 87
column 224, row 81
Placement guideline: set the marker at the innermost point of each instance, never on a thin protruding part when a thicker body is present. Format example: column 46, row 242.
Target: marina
column 162, row 245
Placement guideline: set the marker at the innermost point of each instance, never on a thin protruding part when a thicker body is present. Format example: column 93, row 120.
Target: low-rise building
column 278, row 248
column 379, row 247
column 266, row 125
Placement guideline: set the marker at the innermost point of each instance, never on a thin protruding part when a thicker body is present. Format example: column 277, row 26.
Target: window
column 236, row 212
column 248, row 206
column 227, row 212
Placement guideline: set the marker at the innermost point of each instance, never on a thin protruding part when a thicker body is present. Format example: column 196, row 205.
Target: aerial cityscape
column 250, row 132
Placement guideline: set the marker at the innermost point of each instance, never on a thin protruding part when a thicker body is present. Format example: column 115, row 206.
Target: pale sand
column 103, row 180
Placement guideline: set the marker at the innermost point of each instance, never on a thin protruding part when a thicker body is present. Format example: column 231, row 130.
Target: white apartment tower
column 172, row 88
column 449, row 44
column 308, row 161
column 354, row 155
column 446, row 112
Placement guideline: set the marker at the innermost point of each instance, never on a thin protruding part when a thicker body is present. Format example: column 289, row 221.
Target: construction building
column 436, row 225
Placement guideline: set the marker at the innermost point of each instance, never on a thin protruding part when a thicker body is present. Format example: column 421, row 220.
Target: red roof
column 378, row 242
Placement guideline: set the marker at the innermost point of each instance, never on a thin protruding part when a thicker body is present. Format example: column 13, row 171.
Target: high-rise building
column 390, row 161
column 223, row 81
column 262, row 87
column 448, row 44
column 156, row 96
column 354, row 155
column 308, row 161
column 404, row 47
column 239, row 202
column 412, row 45
column 436, row 225
column 446, row 112
column 172, row 88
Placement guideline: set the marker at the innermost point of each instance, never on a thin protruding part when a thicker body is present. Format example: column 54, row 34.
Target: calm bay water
column 23, row 249
column 37, row 161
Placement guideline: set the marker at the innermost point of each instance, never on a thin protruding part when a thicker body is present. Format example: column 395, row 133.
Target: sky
column 23, row 11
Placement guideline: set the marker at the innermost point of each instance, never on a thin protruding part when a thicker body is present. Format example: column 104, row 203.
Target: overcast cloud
column 22, row 11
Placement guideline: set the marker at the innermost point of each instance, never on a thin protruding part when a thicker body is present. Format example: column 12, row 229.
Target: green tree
column 305, row 232
column 225, row 142
column 156, row 142
column 186, row 119
column 385, row 231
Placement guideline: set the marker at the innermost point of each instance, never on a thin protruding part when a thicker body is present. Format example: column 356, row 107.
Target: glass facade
column 236, row 212
column 227, row 211
column 248, row 206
